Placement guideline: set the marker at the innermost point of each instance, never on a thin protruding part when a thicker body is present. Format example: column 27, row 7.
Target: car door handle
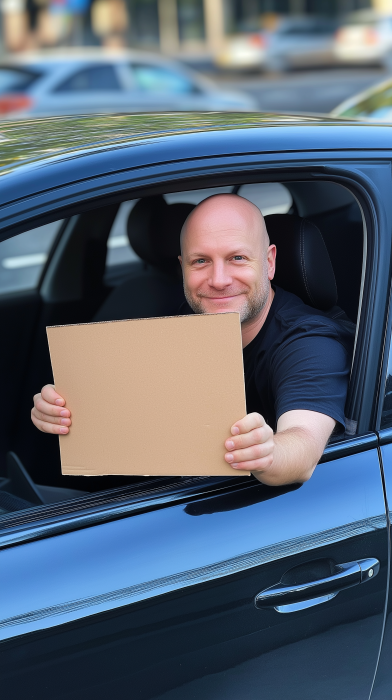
column 290, row 598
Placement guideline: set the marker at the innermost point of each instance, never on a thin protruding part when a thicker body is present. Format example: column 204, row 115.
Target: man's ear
column 180, row 259
column 271, row 261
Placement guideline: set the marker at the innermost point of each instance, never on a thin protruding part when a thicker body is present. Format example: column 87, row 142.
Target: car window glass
column 95, row 78
column 154, row 79
column 23, row 257
column 271, row 198
column 15, row 79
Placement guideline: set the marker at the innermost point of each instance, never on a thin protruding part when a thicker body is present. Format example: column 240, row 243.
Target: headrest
column 154, row 229
column 303, row 265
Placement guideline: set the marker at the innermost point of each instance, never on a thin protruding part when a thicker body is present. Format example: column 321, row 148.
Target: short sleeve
column 311, row 373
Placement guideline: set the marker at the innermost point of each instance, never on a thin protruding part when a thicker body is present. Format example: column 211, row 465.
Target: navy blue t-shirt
column 300, row 359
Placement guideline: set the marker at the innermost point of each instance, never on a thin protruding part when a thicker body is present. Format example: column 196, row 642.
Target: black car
column 189, row 587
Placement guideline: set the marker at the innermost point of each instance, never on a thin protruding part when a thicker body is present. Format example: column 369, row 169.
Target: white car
column 66, row 83
column 364, row 38
column 243, row 52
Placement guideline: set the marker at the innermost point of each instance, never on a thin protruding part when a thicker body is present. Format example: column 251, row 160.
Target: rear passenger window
column 22, row 258
column 152, row 79
column 94, row 78
column 270, row 197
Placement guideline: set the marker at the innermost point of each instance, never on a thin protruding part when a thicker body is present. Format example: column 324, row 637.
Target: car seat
column 303, row 265
column 153, row 229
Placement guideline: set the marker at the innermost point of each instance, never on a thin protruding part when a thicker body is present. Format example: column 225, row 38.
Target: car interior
column 120, row 261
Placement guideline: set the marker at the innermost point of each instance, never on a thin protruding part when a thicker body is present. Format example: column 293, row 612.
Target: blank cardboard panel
column 149, row 396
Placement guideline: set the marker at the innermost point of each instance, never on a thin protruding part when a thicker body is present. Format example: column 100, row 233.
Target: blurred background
column 301, row 56
column 84, row 56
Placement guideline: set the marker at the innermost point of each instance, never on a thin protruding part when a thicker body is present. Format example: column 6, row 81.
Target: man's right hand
column 49, row 413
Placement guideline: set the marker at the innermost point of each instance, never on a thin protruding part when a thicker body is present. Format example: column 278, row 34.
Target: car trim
column 51, row 520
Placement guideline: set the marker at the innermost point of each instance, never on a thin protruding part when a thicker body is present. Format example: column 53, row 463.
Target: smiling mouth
column 232, row 296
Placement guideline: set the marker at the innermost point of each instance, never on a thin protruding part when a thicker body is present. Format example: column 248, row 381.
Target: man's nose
column 220, row 277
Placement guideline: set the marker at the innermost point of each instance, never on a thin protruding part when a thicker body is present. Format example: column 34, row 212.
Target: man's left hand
column 288, row 456
column 252, row 446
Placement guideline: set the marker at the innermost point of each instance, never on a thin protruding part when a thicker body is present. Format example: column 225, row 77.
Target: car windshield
column 375, row 107
column 16, row 79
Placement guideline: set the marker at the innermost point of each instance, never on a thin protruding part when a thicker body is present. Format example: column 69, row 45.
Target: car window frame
column 345, row 174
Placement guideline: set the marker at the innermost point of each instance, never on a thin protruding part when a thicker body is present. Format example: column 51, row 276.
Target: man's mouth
column 222, row 298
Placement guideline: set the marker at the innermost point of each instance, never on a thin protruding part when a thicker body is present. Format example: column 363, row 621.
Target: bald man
column 296, row 359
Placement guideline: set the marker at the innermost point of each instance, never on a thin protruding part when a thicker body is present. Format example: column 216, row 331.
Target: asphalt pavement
column 314, row 91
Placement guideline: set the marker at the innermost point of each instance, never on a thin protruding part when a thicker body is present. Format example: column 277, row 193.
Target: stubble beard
column 253, row 305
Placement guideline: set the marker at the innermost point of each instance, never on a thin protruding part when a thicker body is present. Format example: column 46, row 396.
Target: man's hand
column 49, row 413
column 288, row 456
column 252, row 446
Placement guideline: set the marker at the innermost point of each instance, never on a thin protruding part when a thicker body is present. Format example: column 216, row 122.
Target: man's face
column 226, row 261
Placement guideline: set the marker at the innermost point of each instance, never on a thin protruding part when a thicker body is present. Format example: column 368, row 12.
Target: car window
column 23, row 257
column 154, row 79
column 270, row 197
column 16, row 79
column 101, row 77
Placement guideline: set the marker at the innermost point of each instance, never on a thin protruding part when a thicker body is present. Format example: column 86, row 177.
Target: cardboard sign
column 150, row 396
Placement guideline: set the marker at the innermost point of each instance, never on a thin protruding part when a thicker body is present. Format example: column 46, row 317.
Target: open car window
column 94, row 274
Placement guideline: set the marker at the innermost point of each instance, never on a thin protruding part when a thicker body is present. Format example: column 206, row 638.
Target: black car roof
column 39, row 155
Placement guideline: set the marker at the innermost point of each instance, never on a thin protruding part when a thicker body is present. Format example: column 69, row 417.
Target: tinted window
column 15, row 79
column 23, row 257
column 153, row 79
column 94, row 78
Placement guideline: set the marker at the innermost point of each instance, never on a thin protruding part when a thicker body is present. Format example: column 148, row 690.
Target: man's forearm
column 295, row 456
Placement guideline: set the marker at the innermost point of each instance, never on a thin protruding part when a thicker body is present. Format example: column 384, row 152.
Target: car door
column 164, row 589
column 160, row 601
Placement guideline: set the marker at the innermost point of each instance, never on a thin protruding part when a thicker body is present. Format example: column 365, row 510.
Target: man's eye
column 238, row 257
column 200, row 261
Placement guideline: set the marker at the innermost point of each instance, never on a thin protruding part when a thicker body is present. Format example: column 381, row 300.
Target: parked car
column 365, row 38
column 192, row 587
column 300, row 42
column 244, row 51
column 373, row 104
column 58, row 83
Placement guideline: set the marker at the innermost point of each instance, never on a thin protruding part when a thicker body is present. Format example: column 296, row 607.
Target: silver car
column 52, row 83
column 300, row 42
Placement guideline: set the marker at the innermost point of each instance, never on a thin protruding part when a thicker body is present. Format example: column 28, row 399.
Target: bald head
column 226, row 211
column 226, row 259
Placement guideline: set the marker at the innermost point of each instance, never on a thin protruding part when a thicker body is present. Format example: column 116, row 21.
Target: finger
column 49, row 409
column 56, row 420
column 255, row 465
column 250, row 453
column 254, row 437
column 46, row 427
column 50, row 395
column 250, row 422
